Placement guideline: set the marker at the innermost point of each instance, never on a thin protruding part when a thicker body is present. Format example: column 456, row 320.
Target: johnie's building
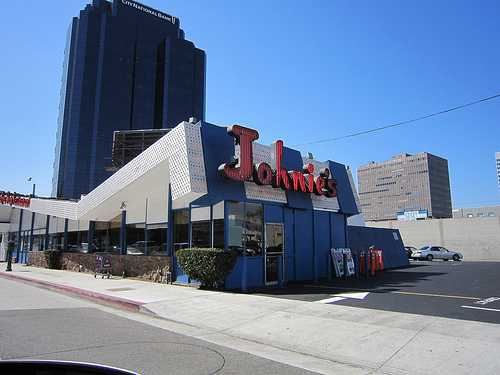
column 206, row 186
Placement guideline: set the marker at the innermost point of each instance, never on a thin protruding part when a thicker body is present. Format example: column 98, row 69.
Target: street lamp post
column 32, row 217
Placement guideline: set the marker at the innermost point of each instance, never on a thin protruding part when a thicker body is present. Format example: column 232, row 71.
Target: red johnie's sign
column 14, row 199
column 274, row 174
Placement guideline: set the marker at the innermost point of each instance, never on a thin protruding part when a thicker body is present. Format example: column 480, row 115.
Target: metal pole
column 32, row 218
column 123, row 234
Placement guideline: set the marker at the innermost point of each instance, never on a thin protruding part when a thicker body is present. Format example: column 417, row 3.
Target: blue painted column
column 32, row 228
column 90, row 236
column 170, row 224
column 47, row 233
column 19, row 232
column 32, row 217
column 146, row 229
column 123, row 234
column 346, row 228
column 65, row 240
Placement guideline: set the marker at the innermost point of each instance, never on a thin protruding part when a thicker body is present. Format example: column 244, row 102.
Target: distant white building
column 488, row 211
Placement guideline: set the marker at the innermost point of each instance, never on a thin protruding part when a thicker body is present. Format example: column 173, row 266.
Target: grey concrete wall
column 476, row 238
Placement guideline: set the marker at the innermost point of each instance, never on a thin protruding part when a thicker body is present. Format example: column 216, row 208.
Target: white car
column 435, row 252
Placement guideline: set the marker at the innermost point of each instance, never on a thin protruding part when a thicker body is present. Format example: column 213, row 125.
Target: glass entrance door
column 274, row 248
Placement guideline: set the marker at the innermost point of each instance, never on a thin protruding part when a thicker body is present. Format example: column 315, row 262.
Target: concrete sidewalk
column 325, row 338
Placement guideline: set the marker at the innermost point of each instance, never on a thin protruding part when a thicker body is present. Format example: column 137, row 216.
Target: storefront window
column 105, row 237
column 157, row 234
column 254, row 233
column 235, row 227
column 243, row 228
column 181, row 230
column 200, row 227
column 218, row 219
column 135, row 240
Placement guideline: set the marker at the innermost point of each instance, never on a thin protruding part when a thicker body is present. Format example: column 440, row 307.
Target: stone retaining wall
column 153, row 268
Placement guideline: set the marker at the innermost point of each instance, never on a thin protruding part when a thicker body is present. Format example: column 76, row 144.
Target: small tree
column 206, row 266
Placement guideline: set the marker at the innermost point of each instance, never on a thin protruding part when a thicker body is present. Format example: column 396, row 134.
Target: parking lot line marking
column 330, row 300
column 434, row 295
column 392, row 291
column 481, row 308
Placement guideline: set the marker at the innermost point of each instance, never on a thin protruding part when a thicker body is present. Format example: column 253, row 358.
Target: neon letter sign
column 274, row 174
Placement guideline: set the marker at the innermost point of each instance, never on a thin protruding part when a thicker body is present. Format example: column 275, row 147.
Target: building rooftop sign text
column 151, row 11
column 14, row 199
column 275, row 175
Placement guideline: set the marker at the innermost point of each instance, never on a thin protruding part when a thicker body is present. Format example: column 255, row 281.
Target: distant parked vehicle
column 84, row 248
column 134, row 251
column 410, row 250
column 162, row 250
column 146, row 247
column 435, row 252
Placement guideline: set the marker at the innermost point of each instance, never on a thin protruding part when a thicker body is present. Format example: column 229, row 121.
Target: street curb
column 98, row 297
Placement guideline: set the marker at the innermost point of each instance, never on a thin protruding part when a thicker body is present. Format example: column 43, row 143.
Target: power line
column 398, row 124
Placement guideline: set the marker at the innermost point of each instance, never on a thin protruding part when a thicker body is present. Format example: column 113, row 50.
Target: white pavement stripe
column 342, row 296
column 481, row 308
column 360, row 295
column 330, row 300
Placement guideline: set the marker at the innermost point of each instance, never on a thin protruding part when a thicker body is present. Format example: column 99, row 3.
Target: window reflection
column 218, row 220
column 181, row 230
column 235, row 227
column 254, row 229
column 200, row 227
column 245, row 230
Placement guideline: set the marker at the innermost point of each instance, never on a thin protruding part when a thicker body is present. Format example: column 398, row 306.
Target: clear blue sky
column 297, row 71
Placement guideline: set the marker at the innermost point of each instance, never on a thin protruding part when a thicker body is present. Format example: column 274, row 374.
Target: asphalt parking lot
column 461, row 290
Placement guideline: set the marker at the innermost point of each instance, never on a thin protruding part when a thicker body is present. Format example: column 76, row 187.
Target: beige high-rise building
column 415, row 186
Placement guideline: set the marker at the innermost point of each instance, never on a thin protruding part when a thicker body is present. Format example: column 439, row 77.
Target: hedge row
column 207, row 266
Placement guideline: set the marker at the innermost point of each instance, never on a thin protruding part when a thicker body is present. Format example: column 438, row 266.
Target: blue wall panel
column 233, row 280
column 304, row 244
column 255, row 273
column 322, row 240
column 338, row 229
column 273, row 213
column 216, row 138
column 290, row 263
column 346, row 196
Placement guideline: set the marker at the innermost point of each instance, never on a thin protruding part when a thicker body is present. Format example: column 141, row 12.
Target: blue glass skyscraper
column 126, row 67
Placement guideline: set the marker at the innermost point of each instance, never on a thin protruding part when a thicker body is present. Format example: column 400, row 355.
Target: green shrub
column 206, row 266
column 52, row 257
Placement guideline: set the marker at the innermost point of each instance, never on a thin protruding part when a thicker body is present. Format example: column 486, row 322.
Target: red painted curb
column 121, row 302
